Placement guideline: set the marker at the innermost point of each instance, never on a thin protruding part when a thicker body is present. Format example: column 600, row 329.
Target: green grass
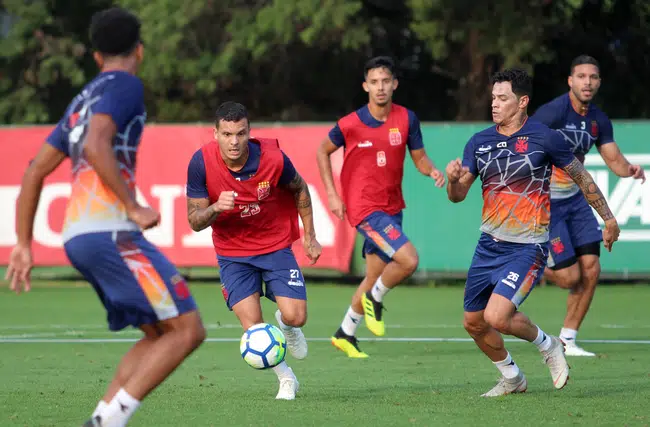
column 402, row 384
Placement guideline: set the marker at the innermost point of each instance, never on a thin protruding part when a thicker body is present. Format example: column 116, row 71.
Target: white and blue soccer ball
column 263, row 346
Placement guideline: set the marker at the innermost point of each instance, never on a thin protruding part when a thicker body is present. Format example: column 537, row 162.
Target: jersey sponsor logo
column 394, row 136
column 521, row 146
column 502, row 144
column 557, row 245
column 263, row 190
column 381, row 159
column 364, row 144
column 484, row 149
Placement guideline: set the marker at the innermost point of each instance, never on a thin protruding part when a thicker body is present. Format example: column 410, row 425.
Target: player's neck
column 129, row 65
column 380, row 112
column 578, row 106
column 513, row 126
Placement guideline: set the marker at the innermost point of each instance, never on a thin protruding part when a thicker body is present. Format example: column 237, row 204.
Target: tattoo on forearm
column 300, row 192
column 589, row 188
column 198, row 217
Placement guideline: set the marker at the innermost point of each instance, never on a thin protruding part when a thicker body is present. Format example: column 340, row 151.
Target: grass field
column 56, row 357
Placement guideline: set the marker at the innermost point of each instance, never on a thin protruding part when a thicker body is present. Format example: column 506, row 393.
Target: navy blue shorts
column 383, row 235
column 242, row 277
column 509, row 269
column 573, row 226
column 135, row 282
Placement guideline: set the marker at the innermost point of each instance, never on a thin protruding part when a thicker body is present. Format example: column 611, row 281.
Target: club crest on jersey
column 392, row 232
column 381, row 159
column 263, row 190
column 180, row 287
column 557, row 245
column 394, row 136
column 521, row 146
column 594, row 128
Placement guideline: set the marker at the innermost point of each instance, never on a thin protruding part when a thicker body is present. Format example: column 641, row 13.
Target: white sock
column 508, row 367
column 283, row 371
column 351, row 322
column 567, row 334
column 543, row 341
column 278, row 317
column 100, row 407
column 379, row 290
column 119, row 411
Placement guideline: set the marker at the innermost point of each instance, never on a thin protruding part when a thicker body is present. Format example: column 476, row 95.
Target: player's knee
column 498, row 321
column 474, row 327
column 410, row 263
column 189, row 330
column 591, row 273
column 296, row 318
column 568, row 279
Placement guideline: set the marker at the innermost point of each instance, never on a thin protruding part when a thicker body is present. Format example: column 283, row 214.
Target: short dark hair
column 582, row 60
column 522, row 83
column 115, row 31
column 230, row 111
column 380, row 62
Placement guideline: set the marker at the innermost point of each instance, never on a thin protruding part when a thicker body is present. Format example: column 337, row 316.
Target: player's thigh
column 136, row 283
column 384, row 236
column 248, row 310
column 285, row 285
column 479, row 284
column 239, row 281
column 523, row 267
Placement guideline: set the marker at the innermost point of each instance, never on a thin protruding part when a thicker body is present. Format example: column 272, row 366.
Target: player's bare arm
column 426, row 166
column 325, row 150
column 299, row 188
column 99, row 154
column 596, row 199
column 616, row 161
column 201, row 214
column 20, row 260
column 459, row 181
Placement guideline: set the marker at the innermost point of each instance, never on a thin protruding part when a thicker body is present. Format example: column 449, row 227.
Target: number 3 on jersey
column 249, row 210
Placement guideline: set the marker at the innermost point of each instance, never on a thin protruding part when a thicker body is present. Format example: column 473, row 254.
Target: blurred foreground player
column 514, row 160
column 575, row 236
column 375, row 139
column 100, row 132
column 248, row 190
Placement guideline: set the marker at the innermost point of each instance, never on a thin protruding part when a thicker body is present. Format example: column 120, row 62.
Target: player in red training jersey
column 375, row 138
column 248, row 190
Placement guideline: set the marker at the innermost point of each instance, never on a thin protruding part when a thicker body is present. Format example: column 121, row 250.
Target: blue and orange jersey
column 515, row 172
column 580, row 132
column 93, row 207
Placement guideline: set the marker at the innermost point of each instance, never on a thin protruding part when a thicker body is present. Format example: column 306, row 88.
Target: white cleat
column 508, row 386
column 296, row 341
column 556, row 362
column 572, row 349
column 288, row 388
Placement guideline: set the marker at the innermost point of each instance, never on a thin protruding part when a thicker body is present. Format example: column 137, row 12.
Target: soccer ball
column 263, row 346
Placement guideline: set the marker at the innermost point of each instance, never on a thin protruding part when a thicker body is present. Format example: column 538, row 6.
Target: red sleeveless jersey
column 265, row 218
column 373, row 166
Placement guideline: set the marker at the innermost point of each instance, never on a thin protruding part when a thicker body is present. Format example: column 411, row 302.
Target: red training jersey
column 265, row 218
column 373, row 166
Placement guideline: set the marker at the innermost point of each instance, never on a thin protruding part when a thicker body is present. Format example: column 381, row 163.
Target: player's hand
column 455, row 171
column 637, row 172
column 312, row 249
column 438, row 177
column 336, row 206
column 226, row 201
column 144, row 216
column 610, row 233
column 19, row 269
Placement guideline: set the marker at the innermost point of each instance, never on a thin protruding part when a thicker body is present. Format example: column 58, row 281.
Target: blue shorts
column 574, row 231
column 383, row 235
column 135, row 282
column 242, row 277
column 509, row 269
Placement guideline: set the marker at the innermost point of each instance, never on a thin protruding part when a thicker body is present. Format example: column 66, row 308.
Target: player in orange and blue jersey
column 100, row 132
column 514, row 160
column 575, row 236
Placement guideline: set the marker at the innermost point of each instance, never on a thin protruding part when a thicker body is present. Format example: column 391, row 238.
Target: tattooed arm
column 595, row 198
column 300, row 191
column 201, row 214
